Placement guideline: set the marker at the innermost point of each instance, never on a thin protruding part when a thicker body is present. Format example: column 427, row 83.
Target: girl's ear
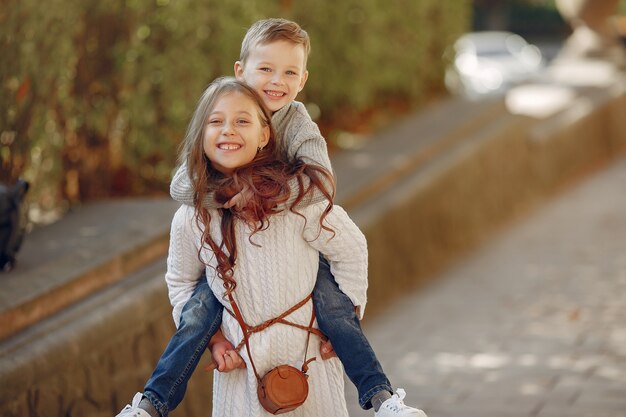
column 265, row 138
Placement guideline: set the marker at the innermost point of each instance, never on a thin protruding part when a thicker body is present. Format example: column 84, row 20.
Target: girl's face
column 234, row 132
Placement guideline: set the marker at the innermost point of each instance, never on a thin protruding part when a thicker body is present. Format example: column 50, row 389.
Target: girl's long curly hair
column 267, row 178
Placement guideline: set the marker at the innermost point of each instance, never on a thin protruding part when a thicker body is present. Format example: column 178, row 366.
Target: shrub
column 96, row 95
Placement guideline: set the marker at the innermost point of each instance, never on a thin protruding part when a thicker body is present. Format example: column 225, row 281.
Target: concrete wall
column 496, row 174
column 90, row 358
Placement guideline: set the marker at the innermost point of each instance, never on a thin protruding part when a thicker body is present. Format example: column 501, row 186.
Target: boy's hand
column 241, row 199
column 226, row 357
column 326, row 350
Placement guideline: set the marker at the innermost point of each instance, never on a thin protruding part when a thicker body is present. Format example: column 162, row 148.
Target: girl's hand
column 226, row 357
column 326, row 350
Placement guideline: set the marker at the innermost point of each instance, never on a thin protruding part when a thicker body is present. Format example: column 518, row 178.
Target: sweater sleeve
column 306, row 143
column 182, row 191
column 184, row 269
column 346, row 250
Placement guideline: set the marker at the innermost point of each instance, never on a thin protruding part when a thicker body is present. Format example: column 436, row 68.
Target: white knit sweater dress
column 273, row 274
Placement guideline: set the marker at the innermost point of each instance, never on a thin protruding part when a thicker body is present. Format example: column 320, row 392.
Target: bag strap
column 305, row 363
column 245, row 329
column 248, row 330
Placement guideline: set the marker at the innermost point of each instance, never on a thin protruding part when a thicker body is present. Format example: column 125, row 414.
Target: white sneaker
column 133, row 410
column 395, row 407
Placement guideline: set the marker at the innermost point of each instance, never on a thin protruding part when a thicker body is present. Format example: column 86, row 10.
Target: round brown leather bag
column 283, row 389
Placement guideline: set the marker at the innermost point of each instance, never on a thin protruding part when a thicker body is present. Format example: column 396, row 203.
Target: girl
column 265, row 257
column 273, row 63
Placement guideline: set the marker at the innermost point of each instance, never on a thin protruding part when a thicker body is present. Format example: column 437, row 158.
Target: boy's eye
column 265, row 69
column 291, row 73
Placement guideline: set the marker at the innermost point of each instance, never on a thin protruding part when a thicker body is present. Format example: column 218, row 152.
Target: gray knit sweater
column 297, row 137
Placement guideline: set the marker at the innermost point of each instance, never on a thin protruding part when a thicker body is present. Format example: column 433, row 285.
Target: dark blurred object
column 491, row 62
column 532, row 19
column 11, row 227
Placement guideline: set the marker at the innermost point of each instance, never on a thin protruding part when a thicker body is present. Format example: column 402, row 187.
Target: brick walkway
column 531, row 324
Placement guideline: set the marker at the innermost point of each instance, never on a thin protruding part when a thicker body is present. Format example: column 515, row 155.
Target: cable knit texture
column 297, row 136
column 273, row 272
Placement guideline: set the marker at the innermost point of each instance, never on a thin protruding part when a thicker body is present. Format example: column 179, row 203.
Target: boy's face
column 276, row 71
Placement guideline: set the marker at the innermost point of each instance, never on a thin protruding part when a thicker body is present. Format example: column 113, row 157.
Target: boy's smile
column 276, row 72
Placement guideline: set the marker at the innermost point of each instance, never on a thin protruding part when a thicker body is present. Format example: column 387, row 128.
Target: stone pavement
column 530, row 324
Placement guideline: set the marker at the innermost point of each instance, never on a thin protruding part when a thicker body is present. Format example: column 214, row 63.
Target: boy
column 273, row 62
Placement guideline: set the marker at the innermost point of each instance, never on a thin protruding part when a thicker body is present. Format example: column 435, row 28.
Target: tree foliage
column 96, row 94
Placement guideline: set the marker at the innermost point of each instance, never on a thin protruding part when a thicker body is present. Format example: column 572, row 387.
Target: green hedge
column 96, row 94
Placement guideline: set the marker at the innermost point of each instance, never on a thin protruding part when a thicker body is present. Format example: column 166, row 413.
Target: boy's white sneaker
column 132, row 409
column 395, row 407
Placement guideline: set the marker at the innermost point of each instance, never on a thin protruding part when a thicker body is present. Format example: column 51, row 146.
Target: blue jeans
column 337, row 319
column 202, row 316
column 199, row 321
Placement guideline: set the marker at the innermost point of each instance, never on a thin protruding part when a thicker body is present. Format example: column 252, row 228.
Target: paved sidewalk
column 531, row 324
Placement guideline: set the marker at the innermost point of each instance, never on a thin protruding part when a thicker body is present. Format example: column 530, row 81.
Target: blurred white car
column 488, row 63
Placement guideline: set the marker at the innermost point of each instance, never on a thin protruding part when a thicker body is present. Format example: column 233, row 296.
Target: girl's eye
column 242, row 122
column 215, row 121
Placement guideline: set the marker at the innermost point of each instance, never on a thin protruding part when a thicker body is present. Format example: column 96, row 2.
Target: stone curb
column 79, row 255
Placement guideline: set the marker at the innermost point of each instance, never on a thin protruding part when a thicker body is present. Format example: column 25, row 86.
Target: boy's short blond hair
column 266, row 31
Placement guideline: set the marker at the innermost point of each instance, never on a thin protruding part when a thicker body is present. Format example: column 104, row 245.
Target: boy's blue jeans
column 202, row 316
column 337, row 319
column 199, row 321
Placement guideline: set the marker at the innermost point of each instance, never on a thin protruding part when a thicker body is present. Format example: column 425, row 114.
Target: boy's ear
column 239, row 70
column 266, row 136
column 305, row 76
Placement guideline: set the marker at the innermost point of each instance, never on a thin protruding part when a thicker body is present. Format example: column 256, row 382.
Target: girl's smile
column 234, row 132
column 229, row 146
